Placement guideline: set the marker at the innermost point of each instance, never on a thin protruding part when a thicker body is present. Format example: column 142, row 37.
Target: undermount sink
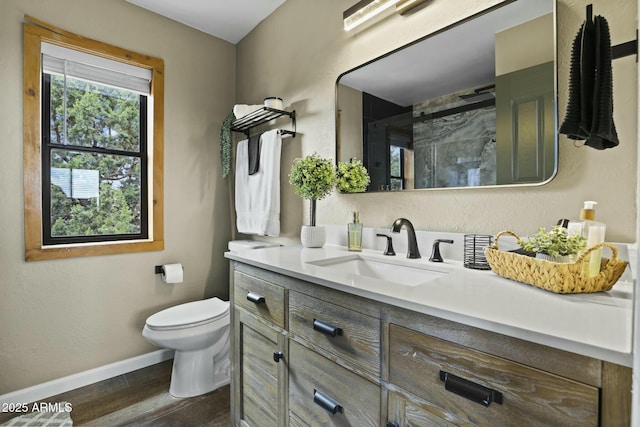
column 360, row 265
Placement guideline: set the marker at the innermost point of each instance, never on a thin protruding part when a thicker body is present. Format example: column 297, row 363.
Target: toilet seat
column 189, row 314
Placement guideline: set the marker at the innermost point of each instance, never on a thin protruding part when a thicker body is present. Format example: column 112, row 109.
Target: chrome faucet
column 412, row 242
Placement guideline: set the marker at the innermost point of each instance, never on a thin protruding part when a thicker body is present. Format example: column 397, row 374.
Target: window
column 396, row 167
column 399, row 170
column 93, row 119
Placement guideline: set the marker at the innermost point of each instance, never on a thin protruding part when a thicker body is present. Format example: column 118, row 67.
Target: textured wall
column 62, row 317
column 299, row 52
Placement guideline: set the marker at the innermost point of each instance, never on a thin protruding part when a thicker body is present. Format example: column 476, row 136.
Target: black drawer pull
column 255, row 298
column 470, row 390
column 392, row 424
column 326, row 402
column 277, row 356
column 326, row 328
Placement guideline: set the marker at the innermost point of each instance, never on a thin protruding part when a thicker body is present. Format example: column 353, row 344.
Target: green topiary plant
column 555, row 243
column 352, row 177
column 312, row 178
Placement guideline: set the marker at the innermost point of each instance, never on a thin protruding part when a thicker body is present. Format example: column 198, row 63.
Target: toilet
column 198, row 331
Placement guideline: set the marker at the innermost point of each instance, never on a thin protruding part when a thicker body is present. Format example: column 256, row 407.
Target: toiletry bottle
column 594, row 232
column 354, row 231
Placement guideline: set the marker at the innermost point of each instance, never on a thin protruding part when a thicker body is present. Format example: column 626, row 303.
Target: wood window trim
column 35, row 33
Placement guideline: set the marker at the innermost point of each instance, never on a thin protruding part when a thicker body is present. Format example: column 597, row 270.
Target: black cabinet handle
column 392, row 424
column 255, row 298
column 277, row 356
column 470, row 390
column 326, row 328
column 326, row 402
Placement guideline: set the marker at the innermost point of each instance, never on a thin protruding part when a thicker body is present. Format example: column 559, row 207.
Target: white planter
column 313, row 236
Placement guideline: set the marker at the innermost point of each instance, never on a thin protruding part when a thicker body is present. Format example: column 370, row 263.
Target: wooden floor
column 141, row 398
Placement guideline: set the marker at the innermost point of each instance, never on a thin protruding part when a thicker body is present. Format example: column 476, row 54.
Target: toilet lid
column 189, row 313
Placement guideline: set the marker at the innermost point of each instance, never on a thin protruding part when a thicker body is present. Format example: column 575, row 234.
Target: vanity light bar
column 363, row 11
column 405, row 6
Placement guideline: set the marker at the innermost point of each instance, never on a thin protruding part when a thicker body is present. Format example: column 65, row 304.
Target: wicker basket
column 562, row 278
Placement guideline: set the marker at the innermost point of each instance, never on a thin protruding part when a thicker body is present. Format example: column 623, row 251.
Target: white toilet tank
column 241, row 245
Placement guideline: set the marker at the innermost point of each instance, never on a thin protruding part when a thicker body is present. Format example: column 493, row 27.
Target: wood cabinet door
column 261, row 370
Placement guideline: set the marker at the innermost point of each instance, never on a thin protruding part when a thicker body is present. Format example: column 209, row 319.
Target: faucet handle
column 389, row 249
column 435, row 253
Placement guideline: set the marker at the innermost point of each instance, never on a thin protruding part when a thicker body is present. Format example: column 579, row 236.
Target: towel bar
column 262, row 116
column 620, row 50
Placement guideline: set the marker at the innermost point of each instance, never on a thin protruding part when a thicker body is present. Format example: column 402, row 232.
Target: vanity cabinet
column 346, row 360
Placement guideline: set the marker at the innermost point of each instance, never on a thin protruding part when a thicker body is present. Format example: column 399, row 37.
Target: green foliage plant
column 555, row 242
column 312, row 178
column 226, row 152
column 352, row 177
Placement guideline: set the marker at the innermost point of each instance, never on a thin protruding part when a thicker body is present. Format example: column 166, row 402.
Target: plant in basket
column 554, row 245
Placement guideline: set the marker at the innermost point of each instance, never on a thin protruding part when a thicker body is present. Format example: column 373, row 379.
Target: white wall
column 62, row 317
column 300, row 50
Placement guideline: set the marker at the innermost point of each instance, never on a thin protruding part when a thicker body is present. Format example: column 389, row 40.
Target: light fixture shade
column 405, row 6
column 363, row 11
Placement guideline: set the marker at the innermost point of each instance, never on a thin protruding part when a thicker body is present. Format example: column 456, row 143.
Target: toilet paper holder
column 160, row 269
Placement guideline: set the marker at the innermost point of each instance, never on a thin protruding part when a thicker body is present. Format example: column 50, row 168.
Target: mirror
column 472, row 105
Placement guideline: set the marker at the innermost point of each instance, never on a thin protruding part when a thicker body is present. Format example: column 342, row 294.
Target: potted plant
column 555, row 245
column 352, row 177
column 312, row 178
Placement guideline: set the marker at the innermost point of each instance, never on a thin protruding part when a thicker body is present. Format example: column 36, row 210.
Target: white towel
column 258, row 195
column 241, row 110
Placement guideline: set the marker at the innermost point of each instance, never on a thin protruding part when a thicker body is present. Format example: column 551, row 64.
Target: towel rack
column 262, row 116
column 620, row 50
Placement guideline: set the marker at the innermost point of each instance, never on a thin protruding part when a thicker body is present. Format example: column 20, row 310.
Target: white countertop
column 598, row 325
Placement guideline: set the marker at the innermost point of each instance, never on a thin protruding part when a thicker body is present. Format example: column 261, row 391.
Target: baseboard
column 81, row 379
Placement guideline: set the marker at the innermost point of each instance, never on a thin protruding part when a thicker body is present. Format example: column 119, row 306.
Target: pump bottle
column 354, row 233
column 594, row 233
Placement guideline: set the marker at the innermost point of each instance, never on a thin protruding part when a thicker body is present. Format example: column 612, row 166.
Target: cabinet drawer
column 318, row 387
column 530, row 397
column 340, row 332
column 407, row 413
column 262, row 298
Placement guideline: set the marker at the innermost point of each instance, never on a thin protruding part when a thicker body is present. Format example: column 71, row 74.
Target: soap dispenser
column 594, row 232
column 354, row 231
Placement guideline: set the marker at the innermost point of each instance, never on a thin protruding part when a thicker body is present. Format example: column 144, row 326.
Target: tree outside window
column 94, row 153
